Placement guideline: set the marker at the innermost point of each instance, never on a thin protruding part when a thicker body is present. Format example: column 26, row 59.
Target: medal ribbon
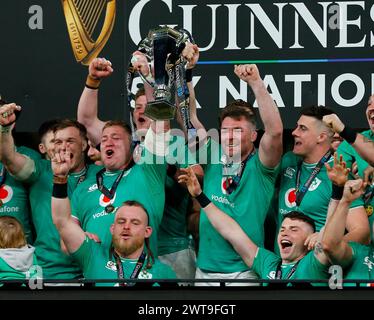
column 2, row 176
column 135, row 272
column 278, row 274
column 300, row 193
column 368, row 195
column 100, row 181
column 236, row 179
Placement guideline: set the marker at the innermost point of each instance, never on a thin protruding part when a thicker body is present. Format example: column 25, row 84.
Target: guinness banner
column 308, row 52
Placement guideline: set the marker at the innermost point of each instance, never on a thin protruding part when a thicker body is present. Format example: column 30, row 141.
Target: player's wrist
column 5, row 129
column 203, row 200
column 337, row 192
column 92, row 82
column 60, row 190
column 348, row 134
column 188, row 75
column 60, row 179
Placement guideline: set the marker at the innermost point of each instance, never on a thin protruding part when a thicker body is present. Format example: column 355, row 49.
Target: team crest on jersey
column 225, row 183
column 105, row 201
column 271, row 275
column 290, row 172
column 316, row 182
column 290, row 198
column 111, row 266
column 6, row 193
column 369, row 263
column 144, row 274
column 369, row 210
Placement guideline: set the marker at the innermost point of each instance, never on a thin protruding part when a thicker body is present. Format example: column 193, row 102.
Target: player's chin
column 335, row 144
column 298, row 150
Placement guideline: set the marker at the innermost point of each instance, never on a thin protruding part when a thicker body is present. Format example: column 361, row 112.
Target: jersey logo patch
column 144, row 274
column 369, row 263
column 290, row 198
column 369, row 210
column 316, row 182
column 289, row 172
column 6, row 193
column 225, row 183
column 111, row 266
column 105, row 201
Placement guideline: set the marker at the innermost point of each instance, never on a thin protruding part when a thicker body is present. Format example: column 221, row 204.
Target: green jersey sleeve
column 84, row 254
column 265, row 263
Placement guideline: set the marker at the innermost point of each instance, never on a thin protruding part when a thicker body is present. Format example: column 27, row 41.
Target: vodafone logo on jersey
column 6, row 193
column 225, row 184
column 290, row 198
column 104, row 200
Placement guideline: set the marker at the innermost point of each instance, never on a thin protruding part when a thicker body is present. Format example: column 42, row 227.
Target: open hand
column 338, row 174
column 188, row 177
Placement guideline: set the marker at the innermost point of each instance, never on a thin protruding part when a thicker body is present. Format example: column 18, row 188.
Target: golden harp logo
column 82, row 16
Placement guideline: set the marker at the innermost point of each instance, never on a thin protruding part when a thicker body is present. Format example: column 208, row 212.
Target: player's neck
column 121, row 167
column 316, row 155
column 79, row 168
column 140, row 134
column 126, row 164
column 246, row 154
column 287, row 261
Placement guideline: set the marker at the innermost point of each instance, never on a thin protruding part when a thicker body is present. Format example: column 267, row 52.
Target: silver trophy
column 163, row 47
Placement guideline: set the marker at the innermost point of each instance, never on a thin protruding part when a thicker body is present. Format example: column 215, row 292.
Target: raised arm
column 369, row 175
column 333, row 243
column 200, row 129
column 87, row 114
column 223, row 223
column 191, row 53
column 338, row 174
column 357, row 223
column 70, row 232
column 271, row 148
column 17, row 164
column 364, row 146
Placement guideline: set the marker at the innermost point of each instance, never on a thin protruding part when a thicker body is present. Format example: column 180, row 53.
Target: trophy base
column 160, row 110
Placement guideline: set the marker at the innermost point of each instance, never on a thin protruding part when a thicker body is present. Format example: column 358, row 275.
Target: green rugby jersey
column 350, row 155
column 362, row 266
column 55, row 263
column 97, row 263
column 247, row 204
column 144, row 183
column 173, row 235
column 14, row 196
column 266, row 264
column 316, row 200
